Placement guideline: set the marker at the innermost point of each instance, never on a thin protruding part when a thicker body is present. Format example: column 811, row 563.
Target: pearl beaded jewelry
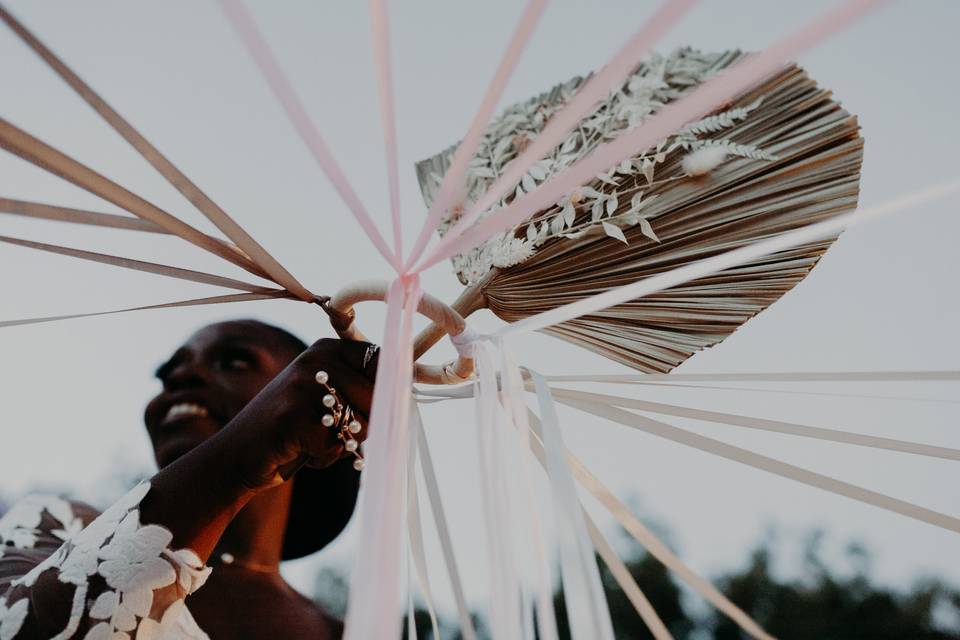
column 342, row 417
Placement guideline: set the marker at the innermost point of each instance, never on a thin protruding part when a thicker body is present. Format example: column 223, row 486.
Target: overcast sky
column 884, row 297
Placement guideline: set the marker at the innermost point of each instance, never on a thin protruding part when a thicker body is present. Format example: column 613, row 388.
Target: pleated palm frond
column 790, row 155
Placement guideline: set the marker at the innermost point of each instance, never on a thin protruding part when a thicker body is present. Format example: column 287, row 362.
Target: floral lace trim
column 133, row 559
column 20, row 526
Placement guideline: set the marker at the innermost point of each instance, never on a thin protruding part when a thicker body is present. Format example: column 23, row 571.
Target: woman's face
column 208, row 381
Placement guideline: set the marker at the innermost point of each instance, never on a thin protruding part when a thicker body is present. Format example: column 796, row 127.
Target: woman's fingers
column 323, row 447
column 350, row 369
column 362, row 356
column 351, row 387
column 342, row 360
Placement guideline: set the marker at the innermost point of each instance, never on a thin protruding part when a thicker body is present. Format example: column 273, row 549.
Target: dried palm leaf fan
column 781, row 156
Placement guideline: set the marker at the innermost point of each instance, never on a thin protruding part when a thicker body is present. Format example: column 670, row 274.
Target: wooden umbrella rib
column 41, row 211
column 21, row 143
column 260, row 256
column 139, row 265
column 233, row 297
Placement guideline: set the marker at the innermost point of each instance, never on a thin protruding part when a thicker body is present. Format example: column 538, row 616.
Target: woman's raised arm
column 128, row 571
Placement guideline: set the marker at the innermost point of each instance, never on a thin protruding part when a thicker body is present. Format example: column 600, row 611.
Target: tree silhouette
column 825, row 606
column 818, row 605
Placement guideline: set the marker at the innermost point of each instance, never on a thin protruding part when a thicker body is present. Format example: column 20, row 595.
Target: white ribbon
column 766, row 463
column 443, row 530
column 798, row 376
column 661, row 552
column 414, row 525
column 465, row 341
column 506, row 619
column 587, row 608
column 514, row 400
column 763, row 424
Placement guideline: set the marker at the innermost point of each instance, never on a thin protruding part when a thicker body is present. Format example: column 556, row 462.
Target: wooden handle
column 446, row 321
column 472, row 299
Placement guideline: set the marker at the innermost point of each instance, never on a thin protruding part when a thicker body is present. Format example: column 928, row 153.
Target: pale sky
column 884, row 297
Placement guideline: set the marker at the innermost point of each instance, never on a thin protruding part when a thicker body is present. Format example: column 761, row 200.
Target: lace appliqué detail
column 20, row 526
column 132, row 559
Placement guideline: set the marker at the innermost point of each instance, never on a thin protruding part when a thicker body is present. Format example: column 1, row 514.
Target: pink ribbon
column 451, row 188
column 245, row 27
column 375, row 607
column 383, row 61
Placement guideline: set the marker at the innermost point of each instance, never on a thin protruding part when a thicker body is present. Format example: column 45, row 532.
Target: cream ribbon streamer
column 443, row 529
column 661, row 552
column 506, row 619
column 415, row 525
column 633, row 526
column 800, row 376
column 583, row 590
column 617, row 568
column 766, row 463
column 513, row 394
column 794, row 392
column 624, row 578
column 773, row 426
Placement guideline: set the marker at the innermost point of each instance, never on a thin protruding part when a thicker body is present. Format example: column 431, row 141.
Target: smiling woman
column 251, row 473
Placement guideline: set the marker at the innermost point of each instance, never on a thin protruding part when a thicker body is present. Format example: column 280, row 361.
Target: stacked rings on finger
column 342, row 418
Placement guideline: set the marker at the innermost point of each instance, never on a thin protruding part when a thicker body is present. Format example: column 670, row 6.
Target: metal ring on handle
column 441, row 313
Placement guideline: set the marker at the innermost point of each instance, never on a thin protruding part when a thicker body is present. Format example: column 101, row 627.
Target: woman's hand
column 280, row 430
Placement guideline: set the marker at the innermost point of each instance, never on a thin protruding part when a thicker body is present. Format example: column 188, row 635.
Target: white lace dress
column 66, row 572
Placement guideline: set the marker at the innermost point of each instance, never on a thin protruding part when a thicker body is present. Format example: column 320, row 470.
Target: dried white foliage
column 656, row 82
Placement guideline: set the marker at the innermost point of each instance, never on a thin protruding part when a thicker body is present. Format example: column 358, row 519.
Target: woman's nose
column 186, row 375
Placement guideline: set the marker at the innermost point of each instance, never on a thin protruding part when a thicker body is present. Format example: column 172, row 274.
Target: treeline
column 818, row 603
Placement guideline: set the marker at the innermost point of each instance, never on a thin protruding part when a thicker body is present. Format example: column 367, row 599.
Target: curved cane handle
column 448, row 319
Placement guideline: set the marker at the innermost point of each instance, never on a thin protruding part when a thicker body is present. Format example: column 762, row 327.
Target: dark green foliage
column 827, row 607
column 659, row 588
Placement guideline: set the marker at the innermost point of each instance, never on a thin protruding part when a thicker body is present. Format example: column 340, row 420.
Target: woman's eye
column 236, row 362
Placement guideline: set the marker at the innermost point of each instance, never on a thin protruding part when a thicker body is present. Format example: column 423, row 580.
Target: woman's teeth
column 185, row 409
